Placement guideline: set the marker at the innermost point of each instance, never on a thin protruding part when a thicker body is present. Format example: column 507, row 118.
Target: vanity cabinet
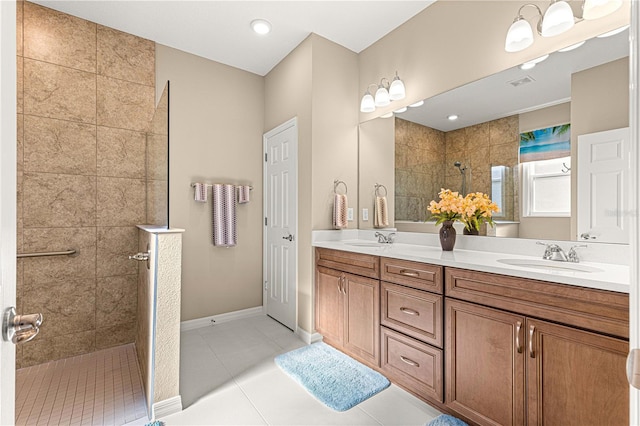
column 347, row 311
column 506, row 367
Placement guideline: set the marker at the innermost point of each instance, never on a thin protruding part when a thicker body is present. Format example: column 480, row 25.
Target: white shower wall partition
column 158, row 333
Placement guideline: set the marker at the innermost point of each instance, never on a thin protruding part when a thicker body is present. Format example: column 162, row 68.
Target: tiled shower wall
column 85, row 99
column 425, row 157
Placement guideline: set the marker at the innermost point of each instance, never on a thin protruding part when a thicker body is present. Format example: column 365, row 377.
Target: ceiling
column 220, row 31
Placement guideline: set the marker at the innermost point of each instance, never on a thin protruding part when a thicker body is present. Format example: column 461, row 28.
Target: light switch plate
column 365, row 214
column 350, row 214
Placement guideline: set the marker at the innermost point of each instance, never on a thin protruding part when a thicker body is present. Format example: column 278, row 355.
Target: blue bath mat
column 336, row 380
column 446, row 420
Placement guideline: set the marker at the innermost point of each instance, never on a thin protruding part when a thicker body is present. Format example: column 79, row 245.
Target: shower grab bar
column 48, row 253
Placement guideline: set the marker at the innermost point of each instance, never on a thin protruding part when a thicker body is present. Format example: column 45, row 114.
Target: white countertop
column 611, row 277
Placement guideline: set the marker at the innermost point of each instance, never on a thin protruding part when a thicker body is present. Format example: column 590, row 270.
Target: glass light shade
column 519, row 36
column 382, row 97
column 367, row 104
column 396, row 90
column 557, row 19
column 594, row 9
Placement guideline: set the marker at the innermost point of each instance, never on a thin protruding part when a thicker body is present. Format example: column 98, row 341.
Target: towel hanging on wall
column 244, row 194
column 340, row 211
column 200, row 192
column 224, row 215
column 381, row 214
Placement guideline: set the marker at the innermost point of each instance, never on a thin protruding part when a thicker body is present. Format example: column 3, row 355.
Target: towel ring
column 378, row 186
column 337, row 183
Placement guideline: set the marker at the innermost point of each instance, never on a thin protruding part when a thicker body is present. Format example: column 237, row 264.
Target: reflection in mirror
column 480, row 151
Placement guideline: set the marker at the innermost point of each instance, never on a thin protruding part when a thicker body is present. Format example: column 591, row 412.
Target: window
column 498, row 183
column 546, row 188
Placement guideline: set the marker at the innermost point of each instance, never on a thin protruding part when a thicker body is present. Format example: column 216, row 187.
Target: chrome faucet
column 555, row 252
column 385, row 239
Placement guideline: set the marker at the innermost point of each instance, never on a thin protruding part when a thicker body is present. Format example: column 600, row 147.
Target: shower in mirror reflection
column 463, row 172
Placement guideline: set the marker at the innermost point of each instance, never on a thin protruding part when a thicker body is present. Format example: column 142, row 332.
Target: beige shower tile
column 66, row 307
column 19, row 27
column 125, row 56
column 59, row 38
column 125, row 105
column 48, row 348
column 121, row 153
column 157, row 157
column 59, row 92
column 116, row 335
column 505, row 155
column 59, row 146
column 121, row 202
column 157, row 202
column 41, row 271
column 115, row 244
column 20, row 143
column 20, row 84
column 56, row 200
column 116, row 300
column 505, row 131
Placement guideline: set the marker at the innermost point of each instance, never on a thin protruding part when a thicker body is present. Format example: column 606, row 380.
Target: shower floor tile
column 100, row 388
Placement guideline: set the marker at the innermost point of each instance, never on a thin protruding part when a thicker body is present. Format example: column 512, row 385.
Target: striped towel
column 340, row 211
column 381, row 214
column 244, row 194
column 200, row 192
column 224, row 215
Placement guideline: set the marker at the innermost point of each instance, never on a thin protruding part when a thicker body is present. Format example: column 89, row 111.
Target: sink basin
column 366, row 244
column 550, row 265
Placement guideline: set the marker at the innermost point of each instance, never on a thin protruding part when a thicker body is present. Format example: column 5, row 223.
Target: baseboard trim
column 217, row 319
column 168, row 406
column 307, row 337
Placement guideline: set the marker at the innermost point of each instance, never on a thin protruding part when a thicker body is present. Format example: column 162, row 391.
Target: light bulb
column 261, row 26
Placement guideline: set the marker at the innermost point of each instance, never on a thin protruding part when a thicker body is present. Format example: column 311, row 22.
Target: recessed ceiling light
column 452, row 117
column 261, row 26
column 417, row 104
column 387, row 115
column 614, row 32
column 401, row 110
column 573, row 46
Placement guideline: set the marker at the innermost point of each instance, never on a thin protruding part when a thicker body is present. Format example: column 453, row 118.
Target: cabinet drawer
column 413, row 274
column 598, row 310
column 412, row 364
column 413, row 312
column 356, row 263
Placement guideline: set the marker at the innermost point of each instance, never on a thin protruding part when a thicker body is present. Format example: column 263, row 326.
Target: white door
column 603, row 186
column 7, row 201
column 281, row 222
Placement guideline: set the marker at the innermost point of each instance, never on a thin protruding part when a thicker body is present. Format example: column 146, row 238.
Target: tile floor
column 100, row 388
column 228, row 377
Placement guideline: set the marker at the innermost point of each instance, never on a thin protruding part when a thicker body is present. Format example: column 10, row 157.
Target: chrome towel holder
column 377, row 187
column 337, row 183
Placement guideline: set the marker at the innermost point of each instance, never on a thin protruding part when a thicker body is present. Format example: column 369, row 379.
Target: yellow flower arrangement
column 450, row 206
column 478, row 208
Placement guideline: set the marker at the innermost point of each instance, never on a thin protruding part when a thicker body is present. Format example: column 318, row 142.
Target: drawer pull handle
column 518, row 345
column 410, row 311
column 409, row 361
column 532, row 329
column 409, row 273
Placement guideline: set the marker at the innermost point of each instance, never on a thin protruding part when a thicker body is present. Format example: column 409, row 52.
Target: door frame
column 293, row 122
column 8, row 185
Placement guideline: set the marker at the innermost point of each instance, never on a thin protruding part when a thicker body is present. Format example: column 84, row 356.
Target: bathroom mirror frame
column 371, row 131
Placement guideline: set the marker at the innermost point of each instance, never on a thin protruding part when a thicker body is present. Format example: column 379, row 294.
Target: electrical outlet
column 365, row 214
column 350, row 214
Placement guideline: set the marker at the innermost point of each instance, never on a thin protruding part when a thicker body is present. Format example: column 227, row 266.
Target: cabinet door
column 329, row 305
column 362, row 318
column 575, row 377
column 484, row 360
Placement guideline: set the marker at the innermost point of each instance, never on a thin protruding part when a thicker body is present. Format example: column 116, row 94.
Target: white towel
column 340, row 206
column 381, row 214
column 244, row 194
column 200, row 192
column 224, row 215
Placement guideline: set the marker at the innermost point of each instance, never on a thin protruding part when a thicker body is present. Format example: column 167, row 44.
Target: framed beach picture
column 545, row 144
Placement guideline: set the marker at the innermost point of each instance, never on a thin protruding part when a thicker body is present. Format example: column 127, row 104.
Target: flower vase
column 471, row 231
column 447, row 235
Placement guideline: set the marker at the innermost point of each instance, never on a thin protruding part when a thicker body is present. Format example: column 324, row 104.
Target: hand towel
column 243, row 194
column 200, row 192
column 340, row 211
column 224, row 215
column 381, row 214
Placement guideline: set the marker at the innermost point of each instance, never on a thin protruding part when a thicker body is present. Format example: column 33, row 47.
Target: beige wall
column 599, row 102
column 317, row 83
column 85, row 99
column 216, row 126
column 432, row 53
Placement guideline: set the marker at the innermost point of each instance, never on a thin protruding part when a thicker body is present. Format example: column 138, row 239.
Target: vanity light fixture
column 557, row 19
column 385, row 93
column 261, row 26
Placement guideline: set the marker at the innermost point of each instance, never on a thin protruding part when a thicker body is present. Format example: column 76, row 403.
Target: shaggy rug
column 333, row 378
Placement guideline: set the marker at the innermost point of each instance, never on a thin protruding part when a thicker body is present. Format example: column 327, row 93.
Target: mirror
column 421, row 150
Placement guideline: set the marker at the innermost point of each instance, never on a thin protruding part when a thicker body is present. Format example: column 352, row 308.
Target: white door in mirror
column 603, row 186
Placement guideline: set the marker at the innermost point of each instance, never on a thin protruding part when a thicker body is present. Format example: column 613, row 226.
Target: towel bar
column 209, row 185
column 47, row 253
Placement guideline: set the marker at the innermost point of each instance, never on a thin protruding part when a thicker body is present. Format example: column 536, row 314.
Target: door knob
column 290, row 238
column 20, row 328
column 587, row 236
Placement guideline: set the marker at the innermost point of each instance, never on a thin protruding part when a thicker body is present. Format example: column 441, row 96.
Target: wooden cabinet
column 505, row 368
column 347, row 306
